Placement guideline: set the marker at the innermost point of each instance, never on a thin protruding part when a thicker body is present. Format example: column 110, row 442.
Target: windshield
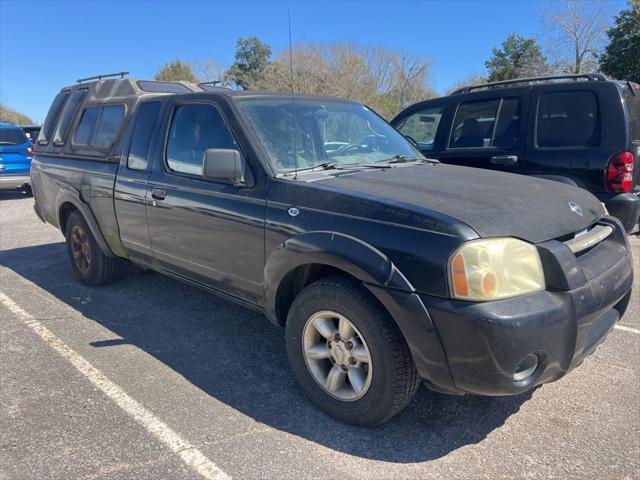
column 341, row 133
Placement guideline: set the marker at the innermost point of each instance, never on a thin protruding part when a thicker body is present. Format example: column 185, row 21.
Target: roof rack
column 587, row 76
column 213, row 83
column 100, row 77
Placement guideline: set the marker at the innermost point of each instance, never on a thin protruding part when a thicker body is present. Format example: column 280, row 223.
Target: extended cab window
column 194, row 129
column 422, row 126
column 67, row 116
column 52, row 117
column 568, row 119
column 99, row 126
column 138, row 157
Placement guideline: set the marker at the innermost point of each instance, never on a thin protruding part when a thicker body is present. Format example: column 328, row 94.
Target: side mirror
column 223, row 164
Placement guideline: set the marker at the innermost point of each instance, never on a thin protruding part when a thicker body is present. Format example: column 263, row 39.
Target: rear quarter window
column 633, row 110
column 568, row 119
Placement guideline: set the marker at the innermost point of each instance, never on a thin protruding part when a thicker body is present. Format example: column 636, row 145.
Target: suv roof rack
column 213, row 83
column 587, row 76
column 105, row 75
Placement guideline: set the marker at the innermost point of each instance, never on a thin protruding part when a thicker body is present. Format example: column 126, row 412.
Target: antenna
column 293, row 112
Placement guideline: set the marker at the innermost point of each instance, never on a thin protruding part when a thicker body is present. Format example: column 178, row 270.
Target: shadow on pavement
column 238, row 357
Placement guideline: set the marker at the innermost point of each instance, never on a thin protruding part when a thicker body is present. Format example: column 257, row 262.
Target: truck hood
column 494, row 204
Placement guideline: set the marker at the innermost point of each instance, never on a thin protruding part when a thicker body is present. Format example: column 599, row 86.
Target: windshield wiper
column 338, row 166
column 406, row 159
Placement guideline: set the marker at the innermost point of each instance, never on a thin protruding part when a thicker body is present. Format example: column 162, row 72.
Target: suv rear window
column 52, row 117
column 12, row 136
column 568, row 119
column 67, row 116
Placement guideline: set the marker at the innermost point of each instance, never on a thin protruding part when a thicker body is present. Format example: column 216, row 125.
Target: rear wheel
column 347, row 354
column 88, row 262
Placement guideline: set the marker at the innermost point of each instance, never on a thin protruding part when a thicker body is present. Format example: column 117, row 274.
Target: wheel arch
column 301, row 260
column 69, row 201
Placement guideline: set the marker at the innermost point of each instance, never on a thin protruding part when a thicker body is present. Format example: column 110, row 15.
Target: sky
column 45, row 45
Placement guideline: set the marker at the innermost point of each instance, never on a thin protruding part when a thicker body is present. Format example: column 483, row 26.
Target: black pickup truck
column 385, row 268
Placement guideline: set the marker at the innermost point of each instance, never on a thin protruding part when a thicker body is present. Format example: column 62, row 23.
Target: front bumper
column 12, row 182
column 485, row 343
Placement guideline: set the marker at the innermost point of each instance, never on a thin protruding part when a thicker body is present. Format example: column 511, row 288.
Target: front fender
column 380, row 276
column 71, row 195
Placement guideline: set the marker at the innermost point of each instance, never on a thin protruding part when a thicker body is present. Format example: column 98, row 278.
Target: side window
column 473, row 124
column 67, row 116
column 52, row 117
column 195, row 128
column 109, row 124
column 422, row 126
column 138, row 157
column 568, row 119
column 87, row 124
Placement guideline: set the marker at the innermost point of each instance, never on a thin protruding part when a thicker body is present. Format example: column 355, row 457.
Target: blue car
column 16, row 152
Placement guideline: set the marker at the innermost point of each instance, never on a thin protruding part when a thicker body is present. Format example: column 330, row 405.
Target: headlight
column 495, row 268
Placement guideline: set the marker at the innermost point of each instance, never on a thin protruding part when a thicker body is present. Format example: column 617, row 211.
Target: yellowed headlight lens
column 495, row 268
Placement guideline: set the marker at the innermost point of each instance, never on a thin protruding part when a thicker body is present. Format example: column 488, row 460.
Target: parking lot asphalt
column 148, row 378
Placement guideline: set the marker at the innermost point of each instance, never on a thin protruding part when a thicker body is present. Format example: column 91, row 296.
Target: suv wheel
column 347, row 354
column 88, row 262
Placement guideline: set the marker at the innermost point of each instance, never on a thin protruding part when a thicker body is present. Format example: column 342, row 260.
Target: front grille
column 587, row 239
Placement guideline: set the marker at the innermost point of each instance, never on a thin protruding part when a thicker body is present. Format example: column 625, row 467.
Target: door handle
column 159, row 193
column 504, row 160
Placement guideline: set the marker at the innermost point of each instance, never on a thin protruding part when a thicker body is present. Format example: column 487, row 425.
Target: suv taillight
column 30, row 151
column 620, row 172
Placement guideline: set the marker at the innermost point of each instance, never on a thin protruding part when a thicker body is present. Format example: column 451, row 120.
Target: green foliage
column 621, row 58
column 8, row 115
column 518, row 57
column 251, row 60
column 176, row 71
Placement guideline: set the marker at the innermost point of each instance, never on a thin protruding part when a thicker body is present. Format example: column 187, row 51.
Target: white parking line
column 189, row 454
column 627, row 329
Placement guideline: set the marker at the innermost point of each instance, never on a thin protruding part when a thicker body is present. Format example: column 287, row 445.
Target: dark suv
column 581, row 130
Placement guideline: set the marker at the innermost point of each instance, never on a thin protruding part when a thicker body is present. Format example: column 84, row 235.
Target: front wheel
column 347, row 354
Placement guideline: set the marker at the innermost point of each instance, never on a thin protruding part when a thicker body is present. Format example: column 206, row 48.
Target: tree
column 384, row 79
column 621, row 58
column 517, row 57
column 176, row 71
column 8, row 115
column 472, row 79
column 251, row 60
column 575, row 33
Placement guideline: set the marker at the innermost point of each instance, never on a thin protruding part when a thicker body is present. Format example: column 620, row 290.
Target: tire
column 89, row 264
column 391, row 378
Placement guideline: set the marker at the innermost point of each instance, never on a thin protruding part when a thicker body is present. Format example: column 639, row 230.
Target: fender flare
column 346, row 253
column 72, row 196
